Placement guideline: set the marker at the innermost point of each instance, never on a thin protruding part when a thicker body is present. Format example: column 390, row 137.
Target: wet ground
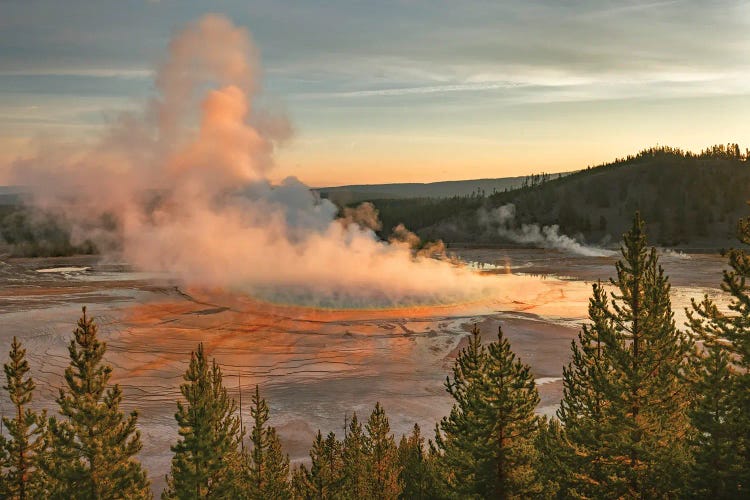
column 314, row 366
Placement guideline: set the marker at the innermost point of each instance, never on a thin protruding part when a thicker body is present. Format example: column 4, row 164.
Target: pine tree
column 512, row 399
column 268, row 467
column 486, row 444
column 554, row 470
column 582, row 409
column 714, row 415
column 19, row 472
column 456, row 435
column 383, row 470
column 735, row 328
column 93, row 448
column 324, row 478
column 721, row 412
column 355, row 460
column 207, row 460
column 415, row 466
column 624, row 406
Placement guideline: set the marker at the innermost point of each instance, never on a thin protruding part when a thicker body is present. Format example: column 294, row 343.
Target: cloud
column 182, row 188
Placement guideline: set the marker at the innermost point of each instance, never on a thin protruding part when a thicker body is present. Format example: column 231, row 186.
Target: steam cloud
column 502, row 220
column 181, row 187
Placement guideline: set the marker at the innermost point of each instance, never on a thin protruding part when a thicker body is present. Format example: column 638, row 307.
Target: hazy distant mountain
column 12, row 195
column 352, row 194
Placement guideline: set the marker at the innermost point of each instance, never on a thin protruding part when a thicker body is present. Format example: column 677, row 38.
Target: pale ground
column 314, row 366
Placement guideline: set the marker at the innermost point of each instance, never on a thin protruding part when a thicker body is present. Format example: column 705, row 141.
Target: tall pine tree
column 207, row 461
column 486, row 444
column 20, row 477
column 268, row 467
column 355, row 460
column 458, row 462
column 93, row 447
column 721, row 412
column 625, row 402
column 715, row 471
column 383, row 467
column 582, row 409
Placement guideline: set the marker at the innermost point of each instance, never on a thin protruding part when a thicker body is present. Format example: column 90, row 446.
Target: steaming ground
column 314, row 365
column 182, row 187
column 282, row 289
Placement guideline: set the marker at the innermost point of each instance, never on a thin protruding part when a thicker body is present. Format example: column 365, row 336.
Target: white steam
column 502, row 221
column 182, row 188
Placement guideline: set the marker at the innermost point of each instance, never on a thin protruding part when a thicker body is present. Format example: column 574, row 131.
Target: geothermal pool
column 315, row 366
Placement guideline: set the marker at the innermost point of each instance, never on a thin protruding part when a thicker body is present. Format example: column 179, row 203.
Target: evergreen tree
column 268, row 467
column 714, row 415
column 511, row 399
column 486, row 444
column 582, row 409
column 624, row 406
column 324, row 478
column 735, row 328
column 355, row 460
column 207, row 461
column 554, row 468
column 93, row 448
column 721, row 412
column 19, row 473
column 415, row 466
column 456, row 435
column 383, row 473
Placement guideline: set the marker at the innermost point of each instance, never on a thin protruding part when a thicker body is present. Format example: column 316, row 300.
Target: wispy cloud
column 630, row 8
column 429, row 89
column 138, row 73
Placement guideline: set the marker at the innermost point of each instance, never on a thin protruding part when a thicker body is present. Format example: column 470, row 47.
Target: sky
column 410, row 90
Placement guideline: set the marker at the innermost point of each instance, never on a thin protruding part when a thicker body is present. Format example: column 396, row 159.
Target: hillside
column 351, row 194
column 688, row 199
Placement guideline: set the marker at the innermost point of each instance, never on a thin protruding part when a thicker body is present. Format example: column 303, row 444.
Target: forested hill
column 354, row 193
column 688, row 199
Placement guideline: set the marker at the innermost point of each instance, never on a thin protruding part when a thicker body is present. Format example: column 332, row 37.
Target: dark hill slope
column 689, row 200
column 352, row 194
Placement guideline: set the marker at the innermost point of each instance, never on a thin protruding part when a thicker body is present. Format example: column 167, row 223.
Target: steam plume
column 182, row 188
column 502, row 220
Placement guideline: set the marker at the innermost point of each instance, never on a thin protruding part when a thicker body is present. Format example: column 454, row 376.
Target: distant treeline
column 690, row 199
column 28, row 232
column 648, row 411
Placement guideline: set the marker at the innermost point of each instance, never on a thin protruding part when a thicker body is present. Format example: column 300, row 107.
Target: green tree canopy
column 207, row 460
column 93, row 446
column 485, row 446
column 625, row 400
column 24, row 448
column 268, row 466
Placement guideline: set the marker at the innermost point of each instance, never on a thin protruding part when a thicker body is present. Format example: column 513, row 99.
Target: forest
column 649, row 410
column 691, row 200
